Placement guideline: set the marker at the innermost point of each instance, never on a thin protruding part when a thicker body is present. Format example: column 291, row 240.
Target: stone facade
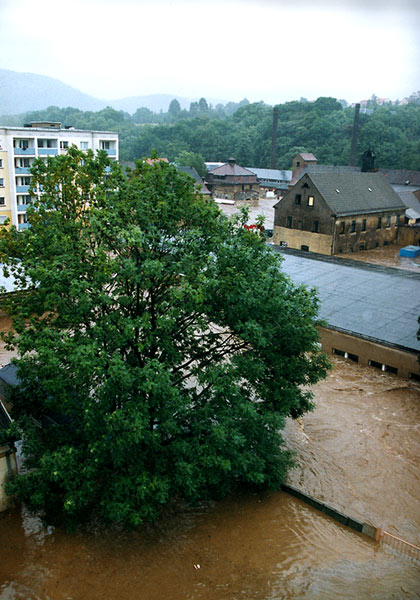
column 232, row 182
column 306, row 219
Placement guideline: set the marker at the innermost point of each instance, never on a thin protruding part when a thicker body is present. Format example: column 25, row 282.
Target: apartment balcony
column 22, row 226
column 22, row 170
column 22, row 189
column 110, row 151
column 47, row 151
column 22, row 207
column 30, row 151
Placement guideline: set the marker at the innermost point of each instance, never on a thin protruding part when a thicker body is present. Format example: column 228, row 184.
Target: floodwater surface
column 358, row 451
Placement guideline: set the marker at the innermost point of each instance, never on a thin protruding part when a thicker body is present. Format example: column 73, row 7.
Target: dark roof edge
column 348, row 262
column 374, row 340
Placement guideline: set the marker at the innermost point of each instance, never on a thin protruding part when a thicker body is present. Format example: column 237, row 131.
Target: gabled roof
column 324, row 169
column 402, row 176
column 231, row 168
column 193, row 173
column 355, row 193
column 307, row 156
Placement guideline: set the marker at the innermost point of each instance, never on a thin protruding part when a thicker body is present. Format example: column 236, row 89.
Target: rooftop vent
column 370, row 189
column 338, row 191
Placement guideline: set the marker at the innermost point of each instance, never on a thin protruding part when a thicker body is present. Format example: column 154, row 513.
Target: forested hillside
column 243, row 130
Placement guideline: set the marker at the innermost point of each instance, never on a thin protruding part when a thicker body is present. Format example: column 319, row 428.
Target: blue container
column 410, row 251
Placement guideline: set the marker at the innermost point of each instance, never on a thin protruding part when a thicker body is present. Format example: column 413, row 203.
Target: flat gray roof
column 381, row 303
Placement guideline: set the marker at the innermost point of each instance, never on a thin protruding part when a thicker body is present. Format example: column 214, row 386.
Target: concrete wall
column 235, row 191
column 367, row 351
column 409, row 235
column 5, row 476
column 295, row 238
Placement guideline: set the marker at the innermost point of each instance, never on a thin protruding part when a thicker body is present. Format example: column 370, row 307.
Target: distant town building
column 233, row 182
column 302, row 160
column 199, row 183
column 272, row 180
column 20, row 146
column 334, row 212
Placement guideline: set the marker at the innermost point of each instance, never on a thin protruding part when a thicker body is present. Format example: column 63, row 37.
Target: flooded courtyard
column 358, row 451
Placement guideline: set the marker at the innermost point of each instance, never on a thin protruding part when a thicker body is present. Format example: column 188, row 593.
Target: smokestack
column 354, row 136
column 274, row 138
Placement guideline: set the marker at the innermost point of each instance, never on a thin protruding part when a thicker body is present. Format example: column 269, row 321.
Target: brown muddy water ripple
column 358, row 451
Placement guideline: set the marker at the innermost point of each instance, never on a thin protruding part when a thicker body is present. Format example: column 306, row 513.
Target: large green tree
column 160, row 345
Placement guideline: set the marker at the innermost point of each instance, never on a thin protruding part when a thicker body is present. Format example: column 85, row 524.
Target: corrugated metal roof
column 407, row 196
column 275, row 174
column 356, row 193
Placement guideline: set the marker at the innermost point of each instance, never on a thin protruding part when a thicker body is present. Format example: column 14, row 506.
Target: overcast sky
column 270, row 50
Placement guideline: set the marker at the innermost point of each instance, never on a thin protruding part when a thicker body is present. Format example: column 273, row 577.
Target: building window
column 298, row 199
column 3, row 219
column 24, row 200
column 353, row 226
column 298, row 163
column 64, row 144
column 315, row 226
column 22, row 144
column 388, row 221
column 23, row 181
column 2, row 201
column 1, row 182
column 84, row 145
column 398, row 220
column 379, row 225
column 304, row 247
column 364, row 225
column 46, row 143
column 311, row 200
column 342, row 227
column 1, row 163
column 289, row 222
column 105, row 145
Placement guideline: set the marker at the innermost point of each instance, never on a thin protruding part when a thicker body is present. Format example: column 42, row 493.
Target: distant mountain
column 24, row 92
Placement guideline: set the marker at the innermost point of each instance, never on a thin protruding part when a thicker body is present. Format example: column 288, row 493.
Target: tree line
column 323, row 127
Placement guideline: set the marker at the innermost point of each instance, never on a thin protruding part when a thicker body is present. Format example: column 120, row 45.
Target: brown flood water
column 358, row 451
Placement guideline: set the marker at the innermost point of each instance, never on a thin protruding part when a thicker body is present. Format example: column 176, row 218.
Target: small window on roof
column 370, row 189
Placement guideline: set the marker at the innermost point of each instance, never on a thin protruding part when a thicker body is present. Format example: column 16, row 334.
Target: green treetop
column 160, row 345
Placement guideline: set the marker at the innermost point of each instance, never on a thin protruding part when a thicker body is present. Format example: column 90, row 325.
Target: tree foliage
column 243, row 130
column 160, row 345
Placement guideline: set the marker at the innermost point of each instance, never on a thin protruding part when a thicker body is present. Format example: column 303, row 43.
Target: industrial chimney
column 354, row 136
column 274, row 138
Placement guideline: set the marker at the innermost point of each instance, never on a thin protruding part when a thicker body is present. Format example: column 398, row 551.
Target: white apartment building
column 20, row 146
